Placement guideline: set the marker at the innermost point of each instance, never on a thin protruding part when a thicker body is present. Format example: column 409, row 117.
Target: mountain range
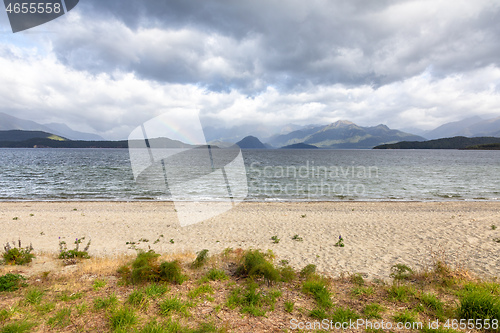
column 343, row 134
column 8, row 123
column 469, row 127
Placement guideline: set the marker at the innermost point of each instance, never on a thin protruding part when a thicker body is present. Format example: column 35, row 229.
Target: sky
column 106, row 67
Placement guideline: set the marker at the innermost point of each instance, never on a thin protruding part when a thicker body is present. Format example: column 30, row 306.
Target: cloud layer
column 108, row 66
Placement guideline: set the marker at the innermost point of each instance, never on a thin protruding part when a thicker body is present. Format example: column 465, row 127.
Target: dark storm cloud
column 251, row 45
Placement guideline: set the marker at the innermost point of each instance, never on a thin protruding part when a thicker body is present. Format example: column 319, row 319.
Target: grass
column 18, row 327
column 222, row 297
column 123, row 318
column 373, row 311
column 401, row 293
column 216, row 275
column 109, row 302
column 318, row 289
column 174, row 304
column 478, row 302
column 172, row 272
column 34, row 296
column 61, row 318
column 344, row 315
column 201, row 259
column 98, row 284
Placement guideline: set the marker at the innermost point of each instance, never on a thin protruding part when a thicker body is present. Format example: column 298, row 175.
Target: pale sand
column 377, row 235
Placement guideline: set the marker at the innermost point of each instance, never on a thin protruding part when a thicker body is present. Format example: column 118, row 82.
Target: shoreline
column 376, row 234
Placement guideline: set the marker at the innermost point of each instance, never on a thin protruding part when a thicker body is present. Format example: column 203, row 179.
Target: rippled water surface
column 290, row 175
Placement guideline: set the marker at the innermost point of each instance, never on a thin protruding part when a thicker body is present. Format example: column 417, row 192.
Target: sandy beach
column 377, row 235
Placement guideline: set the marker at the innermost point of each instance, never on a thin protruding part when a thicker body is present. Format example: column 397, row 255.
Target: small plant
column 18, row 327
column 61, row 318
column 400, row 293
column 373, row 311
column 297, row 238
column 170, row 305
column 275, row 239
column 340, row 242
column 203, row 289
column 144, row 267
column 496, row 240
column 357, row 279
column 479, row 303
column 201, row 259
column 255, row 264
column 155, row 290
column 400, row 272
column 64, row 253
column 34, row 296
column 289, row 306
column 172, row 272
column 287, row 274
column 317, row 288
column 303, row 215
column 123, row 318
column 405, row 317
column 493, row 227
column 216, row 275
column 11, row 282
column 172, row 241
column 98, row 284
column 17, row 255
column 15, row 218
column 138, row 299
column 344, row 315
column 318, row 313
column 105, row 303
column 307, row 271
column 363, row 291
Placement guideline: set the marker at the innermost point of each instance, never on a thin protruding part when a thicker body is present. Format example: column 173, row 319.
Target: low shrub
column 17, row 255
column 201, row 259
column 11, row 282
column 171, row 271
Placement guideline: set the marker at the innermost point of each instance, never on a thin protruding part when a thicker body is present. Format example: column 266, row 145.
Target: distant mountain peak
column 250, row 142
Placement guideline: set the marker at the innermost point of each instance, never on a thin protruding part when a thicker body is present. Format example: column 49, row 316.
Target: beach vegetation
column 288, row 274
column 34, row 296
column 98, row 284
column 344, row 315
column 11, row 282
column 61, row 318
column 201, row 259
column 275, row 239
column 373, row 311
column 144, row 267
column 318, row 313
column 171, row 271
column 17, row 255
column 362, row 291
column 75, row 253
column 400, row 293
column 477, row 301
column 215, row 274
column 289, row 305
column 307, row 271
column 104, row 303
column 405, row 316
column 317, row 287
column 18, row 327
column 200, row 290
column 357, row 279
column 493, row 227
column 253, row 300
column 123, row 318
column 340, row 242
column 297, row 238
column 255, row 264
column 174, row 304
column 400, row 272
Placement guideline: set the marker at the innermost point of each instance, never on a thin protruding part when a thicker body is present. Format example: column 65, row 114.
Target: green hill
column 458, row 142
column 20, row 135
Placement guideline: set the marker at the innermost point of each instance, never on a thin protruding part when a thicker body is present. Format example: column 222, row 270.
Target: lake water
column 271, row 175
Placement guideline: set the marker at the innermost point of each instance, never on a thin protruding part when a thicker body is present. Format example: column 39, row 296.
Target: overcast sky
column 108, row 66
